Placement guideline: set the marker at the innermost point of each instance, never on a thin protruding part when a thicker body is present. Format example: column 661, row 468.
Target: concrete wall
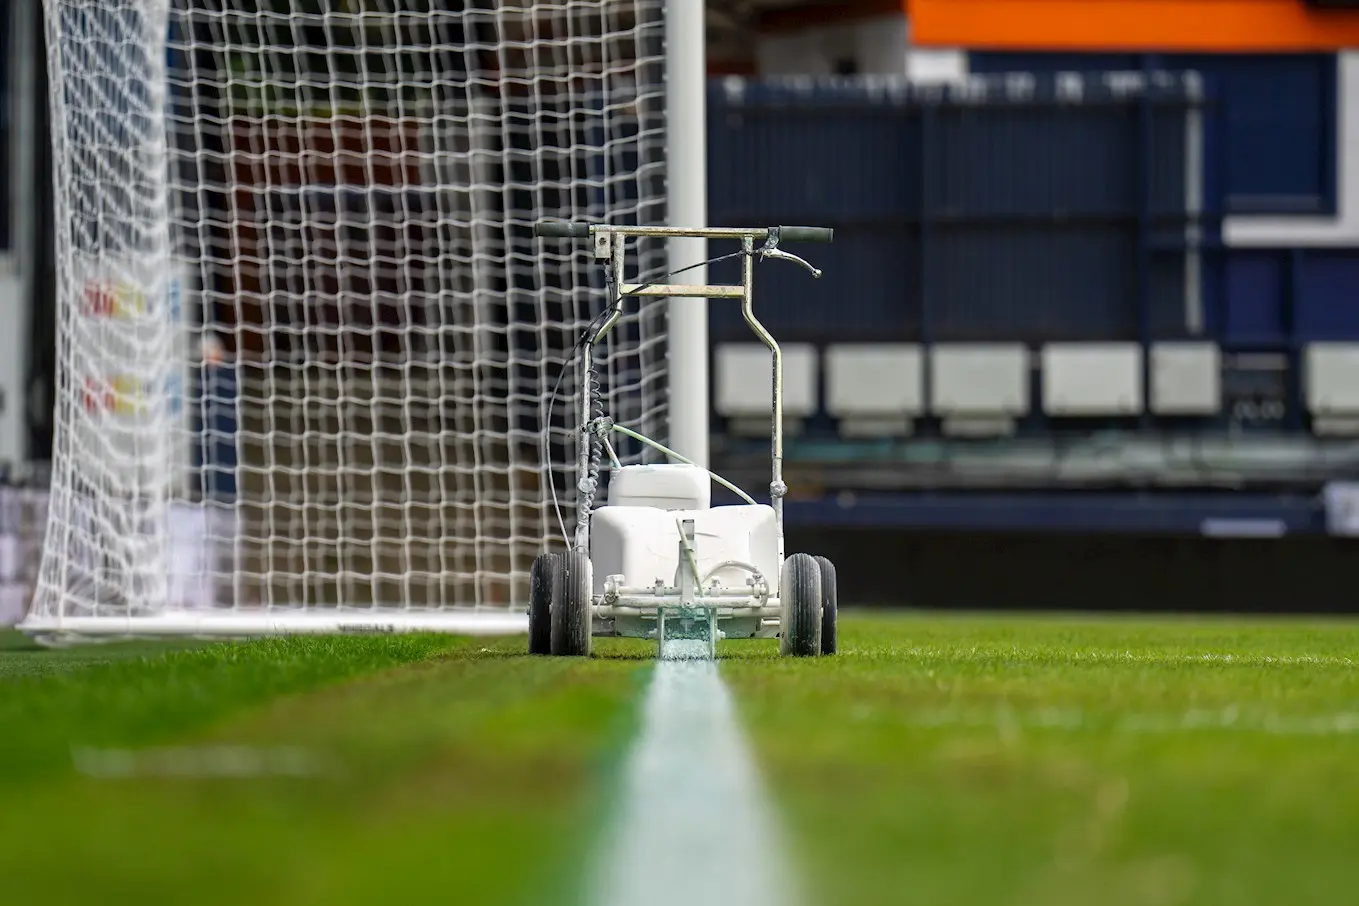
column 876, row 46
column 872, row 46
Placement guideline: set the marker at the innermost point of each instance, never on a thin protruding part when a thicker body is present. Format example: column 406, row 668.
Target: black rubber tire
column 571, row 617
column 830, row 605
column 800, row 600
column 546, row 577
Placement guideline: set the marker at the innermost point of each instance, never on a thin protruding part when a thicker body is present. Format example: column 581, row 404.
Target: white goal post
column 306, row 338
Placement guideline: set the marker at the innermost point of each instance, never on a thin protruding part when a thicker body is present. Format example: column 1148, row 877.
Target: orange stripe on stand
column 1132, row 25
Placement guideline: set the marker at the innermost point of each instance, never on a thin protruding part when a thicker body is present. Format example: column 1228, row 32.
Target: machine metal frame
column 694, row 605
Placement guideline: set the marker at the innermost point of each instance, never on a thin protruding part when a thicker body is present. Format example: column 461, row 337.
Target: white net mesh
column 352, row 186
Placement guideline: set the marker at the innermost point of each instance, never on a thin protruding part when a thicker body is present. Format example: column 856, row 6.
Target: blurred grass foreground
column 936, row 760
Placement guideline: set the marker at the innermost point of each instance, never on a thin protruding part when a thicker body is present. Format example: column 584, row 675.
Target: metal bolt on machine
column 657, row 560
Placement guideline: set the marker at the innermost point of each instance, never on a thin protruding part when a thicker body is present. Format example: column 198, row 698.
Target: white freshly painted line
column 693, row 825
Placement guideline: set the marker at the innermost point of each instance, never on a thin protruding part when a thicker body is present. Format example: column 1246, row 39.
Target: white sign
column 1342, row 508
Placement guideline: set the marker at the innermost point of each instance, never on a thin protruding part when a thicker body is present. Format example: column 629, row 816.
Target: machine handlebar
column 561, row 229
column 565, row 229
column 806, row 234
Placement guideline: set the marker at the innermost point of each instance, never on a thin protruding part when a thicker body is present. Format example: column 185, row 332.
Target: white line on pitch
column 693, row 825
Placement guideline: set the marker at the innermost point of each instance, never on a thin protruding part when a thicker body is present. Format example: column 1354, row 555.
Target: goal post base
column 58, row 631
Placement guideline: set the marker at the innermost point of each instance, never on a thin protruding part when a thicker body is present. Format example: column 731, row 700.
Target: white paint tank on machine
column 641, row 544
column 665, row 486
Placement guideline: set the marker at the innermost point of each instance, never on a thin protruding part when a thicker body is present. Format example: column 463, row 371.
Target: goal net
column 307, row 339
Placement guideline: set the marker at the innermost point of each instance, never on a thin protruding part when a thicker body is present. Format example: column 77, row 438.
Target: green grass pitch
column 938, row 760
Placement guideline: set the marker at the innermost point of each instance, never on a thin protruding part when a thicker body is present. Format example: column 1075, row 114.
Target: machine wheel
column 830, row 635
column 545, row 579
column 571, row 617
column 800, row 598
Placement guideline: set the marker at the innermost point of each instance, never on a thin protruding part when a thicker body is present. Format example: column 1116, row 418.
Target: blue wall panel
column 1276, row 112
column 1327, row 306
column 1281, row 298
column 868, row 291
column 1254, row 312
column 1031, row 160
column 1023, row 283
column 769, row 156
column 999, row 212
column 1279, row 118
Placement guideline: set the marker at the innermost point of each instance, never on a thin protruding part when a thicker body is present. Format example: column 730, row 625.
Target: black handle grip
column 806, row 234
column 561, row 229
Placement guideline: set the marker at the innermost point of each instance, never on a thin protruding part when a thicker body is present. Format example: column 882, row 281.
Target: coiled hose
column 589, row 484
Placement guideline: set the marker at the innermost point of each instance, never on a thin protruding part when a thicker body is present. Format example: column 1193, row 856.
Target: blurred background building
column 1094, row 333
column 1089, row 333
